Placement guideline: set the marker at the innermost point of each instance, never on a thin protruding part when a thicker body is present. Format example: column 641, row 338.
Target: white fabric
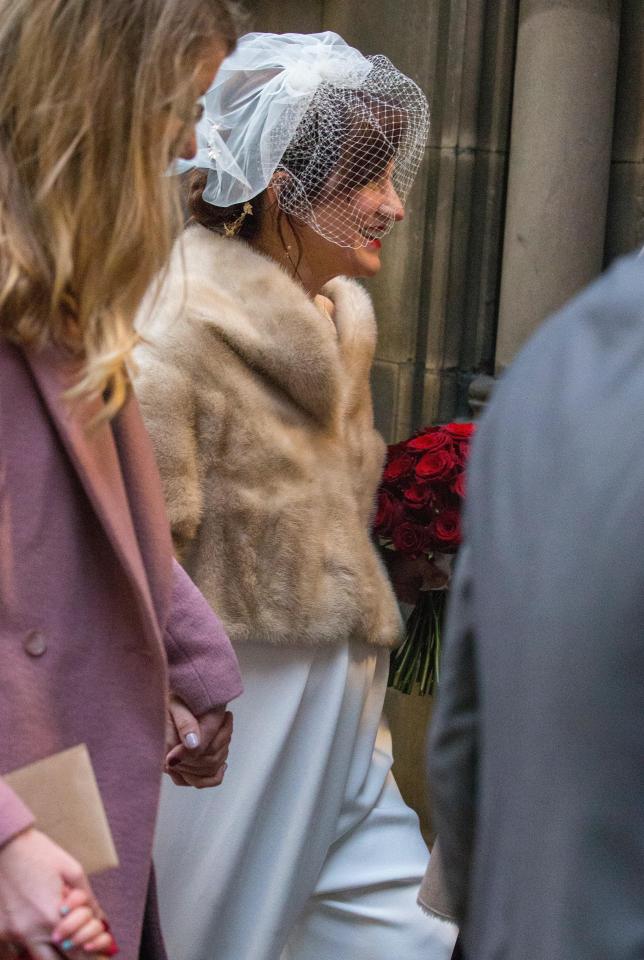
column 255, row 104
column 307, row 852
column 319, row 121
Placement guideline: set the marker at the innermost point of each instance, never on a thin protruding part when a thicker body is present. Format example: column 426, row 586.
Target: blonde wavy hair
column 90, row 93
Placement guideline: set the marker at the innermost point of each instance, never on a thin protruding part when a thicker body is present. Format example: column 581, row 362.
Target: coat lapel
column 94, row 457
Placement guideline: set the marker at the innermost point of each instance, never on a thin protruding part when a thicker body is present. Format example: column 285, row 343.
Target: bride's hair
column 90, row 93
column 362, row 154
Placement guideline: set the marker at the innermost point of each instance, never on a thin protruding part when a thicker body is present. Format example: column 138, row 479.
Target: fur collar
column 270, row 322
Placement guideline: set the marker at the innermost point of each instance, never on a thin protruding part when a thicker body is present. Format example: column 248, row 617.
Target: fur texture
column 259, row 408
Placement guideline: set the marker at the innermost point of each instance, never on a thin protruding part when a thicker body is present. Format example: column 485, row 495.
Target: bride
column 254, row 382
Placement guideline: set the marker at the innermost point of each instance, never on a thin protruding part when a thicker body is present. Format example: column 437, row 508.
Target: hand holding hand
column 80, row 926
column 197, row 747
column 35, row 876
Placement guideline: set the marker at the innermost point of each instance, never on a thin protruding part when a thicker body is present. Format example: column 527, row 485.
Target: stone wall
column 560, row 160
column 469, row 274
column 625, row 227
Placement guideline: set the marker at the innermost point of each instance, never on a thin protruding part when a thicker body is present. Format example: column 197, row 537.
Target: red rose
column 460, row 431
column 417, row 496
column 398, row 467
column 457, row 485
column 444, row 498
column 432, row 439
column 446, row 529
column 395, row 448
column 410, row 539
column 388, row 510
column 436, row 465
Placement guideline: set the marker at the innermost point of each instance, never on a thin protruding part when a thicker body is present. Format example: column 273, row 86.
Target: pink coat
column 93, row 609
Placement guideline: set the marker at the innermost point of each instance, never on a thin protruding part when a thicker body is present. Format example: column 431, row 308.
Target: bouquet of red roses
column 419, row 513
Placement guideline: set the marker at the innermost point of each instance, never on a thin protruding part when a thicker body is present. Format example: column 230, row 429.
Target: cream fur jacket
column 259, row 408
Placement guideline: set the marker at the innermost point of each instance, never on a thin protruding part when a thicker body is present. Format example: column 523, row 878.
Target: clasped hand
column 409, row 577
column 46, row 903
column 197, row 748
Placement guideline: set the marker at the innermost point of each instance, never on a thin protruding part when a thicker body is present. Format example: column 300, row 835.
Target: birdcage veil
column 321, row 123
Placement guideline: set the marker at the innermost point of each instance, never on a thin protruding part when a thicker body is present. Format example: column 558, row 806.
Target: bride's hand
column 409, row 577
column 197, row 747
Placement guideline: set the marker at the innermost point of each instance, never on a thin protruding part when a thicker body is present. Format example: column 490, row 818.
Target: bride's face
column 361, row 218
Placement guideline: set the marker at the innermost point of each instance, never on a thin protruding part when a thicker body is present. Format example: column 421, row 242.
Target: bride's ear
column 278, row 180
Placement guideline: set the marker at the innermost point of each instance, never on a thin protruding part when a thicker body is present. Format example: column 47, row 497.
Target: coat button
column 34, row 643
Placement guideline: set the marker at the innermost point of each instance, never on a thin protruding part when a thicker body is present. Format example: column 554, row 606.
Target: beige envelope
column 62, row 793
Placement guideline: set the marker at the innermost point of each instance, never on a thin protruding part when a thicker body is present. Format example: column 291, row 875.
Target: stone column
column 625, row 228
column 286, row 16
column 560, row 150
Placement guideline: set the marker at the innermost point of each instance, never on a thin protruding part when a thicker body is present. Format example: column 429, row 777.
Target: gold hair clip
column 231, row 229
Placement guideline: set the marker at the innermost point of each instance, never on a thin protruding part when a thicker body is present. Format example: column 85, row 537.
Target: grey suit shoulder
column 538, row 747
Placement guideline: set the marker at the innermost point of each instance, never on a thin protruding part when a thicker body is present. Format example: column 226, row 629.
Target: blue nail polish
column 67, row 944
column 64, row 910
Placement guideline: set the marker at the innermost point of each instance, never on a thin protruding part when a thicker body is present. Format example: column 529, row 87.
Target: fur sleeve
column 168, row 403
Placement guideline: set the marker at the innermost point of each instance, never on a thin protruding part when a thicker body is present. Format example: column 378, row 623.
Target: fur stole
column 259, row 408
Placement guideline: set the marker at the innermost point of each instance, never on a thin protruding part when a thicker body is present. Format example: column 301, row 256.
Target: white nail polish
column 192, row 740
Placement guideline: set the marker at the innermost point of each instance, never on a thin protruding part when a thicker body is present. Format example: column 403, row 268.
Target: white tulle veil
column 319, row 121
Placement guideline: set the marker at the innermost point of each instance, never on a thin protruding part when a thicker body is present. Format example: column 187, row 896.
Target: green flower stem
column 415, row 664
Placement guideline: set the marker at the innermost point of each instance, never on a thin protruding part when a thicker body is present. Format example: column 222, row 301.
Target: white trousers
column 307, row 851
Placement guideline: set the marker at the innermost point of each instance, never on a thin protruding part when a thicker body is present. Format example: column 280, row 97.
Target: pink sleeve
column 203, row 667
column 14, row 815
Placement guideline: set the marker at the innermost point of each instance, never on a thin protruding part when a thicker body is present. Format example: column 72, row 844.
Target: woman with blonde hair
column 254, row 382
column 96, row 97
